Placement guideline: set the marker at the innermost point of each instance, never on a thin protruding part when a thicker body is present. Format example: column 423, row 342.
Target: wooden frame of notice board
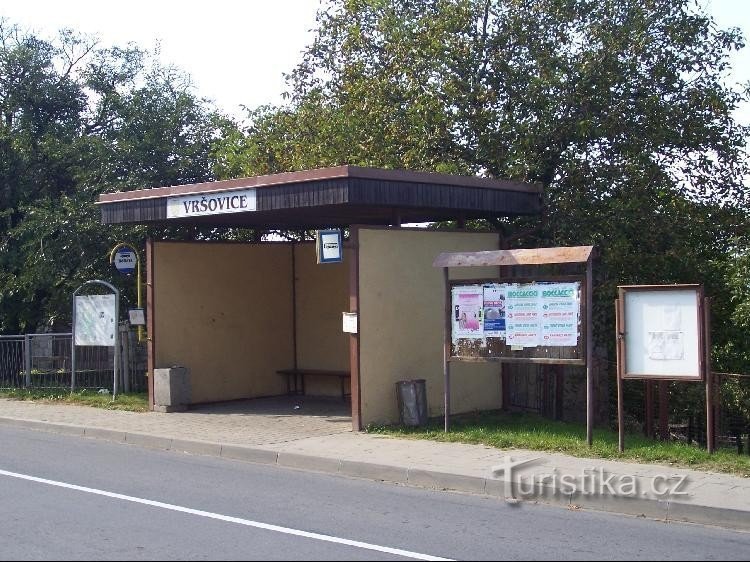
column 664, row 333
column 496, row 351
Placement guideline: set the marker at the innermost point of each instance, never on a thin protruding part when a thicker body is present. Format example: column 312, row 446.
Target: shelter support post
column 447, row 347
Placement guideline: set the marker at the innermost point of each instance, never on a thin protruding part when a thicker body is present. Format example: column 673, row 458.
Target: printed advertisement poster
column 95, row 320
column 523, row 322
column 467, row 318
column 494, row 311
column 560, row 306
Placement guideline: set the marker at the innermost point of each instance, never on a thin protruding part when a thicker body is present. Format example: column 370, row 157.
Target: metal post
column 620, row 403
column 125, row 356
column 117, row 344
column 27, row 359
column 589, row 355
column 73, row 347
column 447, row 347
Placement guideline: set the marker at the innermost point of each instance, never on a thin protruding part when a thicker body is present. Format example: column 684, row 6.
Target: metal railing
column 43, row 361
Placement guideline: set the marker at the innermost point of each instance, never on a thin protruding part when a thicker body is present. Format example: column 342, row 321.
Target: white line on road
column 227, row 519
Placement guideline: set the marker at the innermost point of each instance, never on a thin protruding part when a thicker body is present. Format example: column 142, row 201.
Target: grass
column 132, row 402
column 525, row 431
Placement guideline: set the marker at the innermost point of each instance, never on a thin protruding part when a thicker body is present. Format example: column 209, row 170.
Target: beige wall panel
column 225, row 312
column 402, row 317
column 322, row 295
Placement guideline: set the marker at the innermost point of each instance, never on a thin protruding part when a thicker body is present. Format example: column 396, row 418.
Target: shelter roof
column 339, row 196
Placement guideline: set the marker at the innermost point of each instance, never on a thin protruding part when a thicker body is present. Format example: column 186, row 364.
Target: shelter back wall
column 225, row 312
column 402, row 317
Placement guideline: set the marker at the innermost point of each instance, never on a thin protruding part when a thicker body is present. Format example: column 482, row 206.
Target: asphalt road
column 70, row 498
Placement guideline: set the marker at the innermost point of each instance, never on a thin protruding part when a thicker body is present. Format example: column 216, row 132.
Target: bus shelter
column 264, row 319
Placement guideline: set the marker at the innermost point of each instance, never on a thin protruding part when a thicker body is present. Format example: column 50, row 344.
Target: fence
column 679, row 414
column 43, row 361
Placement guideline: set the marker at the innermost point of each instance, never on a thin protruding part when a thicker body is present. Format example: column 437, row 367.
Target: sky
column 236, row 51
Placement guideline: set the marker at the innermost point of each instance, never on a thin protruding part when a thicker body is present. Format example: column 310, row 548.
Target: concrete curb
column 651, row 508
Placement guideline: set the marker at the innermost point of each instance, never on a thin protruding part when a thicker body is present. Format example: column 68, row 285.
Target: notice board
column 526, row 321
column 662, row 332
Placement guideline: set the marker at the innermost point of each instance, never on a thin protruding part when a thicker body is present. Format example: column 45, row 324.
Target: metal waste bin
column 412, row 402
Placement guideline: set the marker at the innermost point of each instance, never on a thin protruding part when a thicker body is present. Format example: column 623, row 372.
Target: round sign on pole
column 125, row 261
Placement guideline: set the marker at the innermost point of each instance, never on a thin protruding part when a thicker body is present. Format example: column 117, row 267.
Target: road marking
column 226, row 518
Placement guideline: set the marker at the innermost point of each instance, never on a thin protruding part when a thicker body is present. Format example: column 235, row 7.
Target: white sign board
column 137, row 317
column 95, row 320
column 662, row 334
column 240, row 201
column 329, row 246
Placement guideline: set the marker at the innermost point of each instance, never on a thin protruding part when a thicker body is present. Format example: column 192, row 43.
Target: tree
column 620, row 109
column 78, row 120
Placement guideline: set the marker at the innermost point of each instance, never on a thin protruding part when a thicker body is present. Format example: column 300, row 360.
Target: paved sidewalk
column 325, row 443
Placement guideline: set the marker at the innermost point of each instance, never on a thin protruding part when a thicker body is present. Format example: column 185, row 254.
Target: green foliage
column 620, row 109
column 133, row 402
column 77, row 120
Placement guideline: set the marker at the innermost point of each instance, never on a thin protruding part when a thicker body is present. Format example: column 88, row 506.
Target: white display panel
column 95, row 323
column 662, row 333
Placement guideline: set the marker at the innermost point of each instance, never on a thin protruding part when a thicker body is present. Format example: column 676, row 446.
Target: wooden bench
column 298, row 376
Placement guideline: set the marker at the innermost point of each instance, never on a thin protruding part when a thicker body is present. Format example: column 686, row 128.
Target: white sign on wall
column 329, row 246
column 662, row 332
column 96, row 324
column 349, row 322
column 212, row 204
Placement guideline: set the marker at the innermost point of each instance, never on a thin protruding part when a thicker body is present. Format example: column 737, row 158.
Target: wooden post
column 664, row 410
column 619, row 334
column 559, row 393
column 589, row 354
column 710, row 428
column 354, row 339
column 648, row 428
column 447, row 347
column 150, row 322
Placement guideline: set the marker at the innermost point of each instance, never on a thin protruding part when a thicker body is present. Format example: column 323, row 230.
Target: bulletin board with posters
column 519, row 320
column 474, row 328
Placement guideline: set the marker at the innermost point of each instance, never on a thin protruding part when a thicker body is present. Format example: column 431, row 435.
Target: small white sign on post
column 350, row 322
column 137, row 317
column 96, row 322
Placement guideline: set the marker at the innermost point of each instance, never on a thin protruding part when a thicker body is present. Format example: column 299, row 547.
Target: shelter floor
column 263, row 421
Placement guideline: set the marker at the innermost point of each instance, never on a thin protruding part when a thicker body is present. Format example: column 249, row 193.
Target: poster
column 559, row 308
column 494, row 311
column 95, row 320
column 666, row 346
column 468, row 309
column 523, row 321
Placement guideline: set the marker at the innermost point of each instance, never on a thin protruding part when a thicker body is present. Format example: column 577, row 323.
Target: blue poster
column 494, row 311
